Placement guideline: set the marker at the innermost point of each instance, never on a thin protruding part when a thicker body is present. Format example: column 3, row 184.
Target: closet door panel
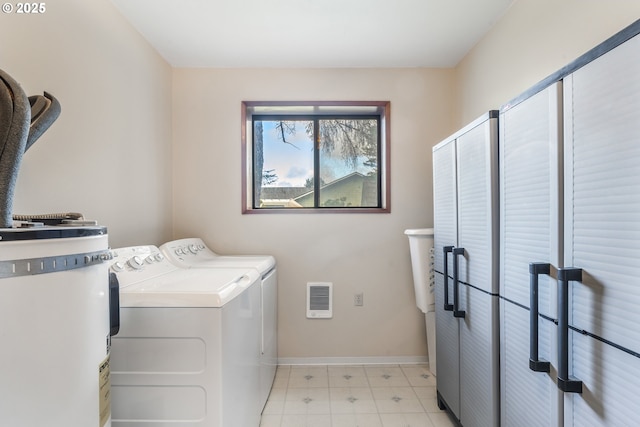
column 602, row 191
column 447, row 351
column 530, row 225
column 528, row 398
column 445, row 228
column 602, row 236
column 477, row 207
column 610, row 388
column 529, row 196
column 445, row 202
column 479, row 339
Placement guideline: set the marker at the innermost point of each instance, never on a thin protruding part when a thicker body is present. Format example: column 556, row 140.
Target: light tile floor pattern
column 354, row 396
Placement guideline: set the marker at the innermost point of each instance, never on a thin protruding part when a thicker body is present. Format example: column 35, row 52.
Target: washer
column 188, row 350
column 194, row 253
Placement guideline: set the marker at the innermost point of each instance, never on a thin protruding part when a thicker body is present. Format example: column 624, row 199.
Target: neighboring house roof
column 354, row 189
column 280, row 193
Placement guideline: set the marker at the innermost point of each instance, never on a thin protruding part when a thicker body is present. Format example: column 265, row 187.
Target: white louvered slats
column 479, row 388
column 476, row 211
column 603, row 195
column 444, row 198
column 610, row 385
column 465, row 217
column 529, row 191
column 602, row 236
column 447, row 352
column 528, row 398
column 445, row 234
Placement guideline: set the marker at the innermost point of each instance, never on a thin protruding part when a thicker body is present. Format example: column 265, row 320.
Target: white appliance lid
column 189, row 288
column 263, row 264
column 193, row 252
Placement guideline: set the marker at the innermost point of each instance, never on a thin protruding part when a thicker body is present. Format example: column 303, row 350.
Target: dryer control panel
column 188, row 252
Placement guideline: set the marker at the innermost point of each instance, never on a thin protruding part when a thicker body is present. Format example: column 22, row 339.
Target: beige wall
column 108, row 154
column 534, row 39
column 361, row 253
column 128, row 119
column 358, row 253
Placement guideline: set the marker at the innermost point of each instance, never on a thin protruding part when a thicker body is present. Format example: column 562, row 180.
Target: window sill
column 317, row 211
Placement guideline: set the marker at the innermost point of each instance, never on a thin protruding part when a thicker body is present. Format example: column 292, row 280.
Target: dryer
column 194, row 253
column 188, row 350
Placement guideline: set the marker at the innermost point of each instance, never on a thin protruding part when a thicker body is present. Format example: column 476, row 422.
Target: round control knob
column 159, row 257
column 150, row 259
column 193, row 249
column 179, row 251
column 136, row 262
column 117, row 266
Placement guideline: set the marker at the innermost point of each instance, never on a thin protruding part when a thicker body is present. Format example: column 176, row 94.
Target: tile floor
column 354, row 396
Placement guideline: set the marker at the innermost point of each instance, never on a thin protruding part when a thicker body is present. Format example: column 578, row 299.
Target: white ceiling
column 313, row 33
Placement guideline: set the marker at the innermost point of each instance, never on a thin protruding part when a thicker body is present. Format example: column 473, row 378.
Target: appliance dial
column 136, row 262
column 117, row 266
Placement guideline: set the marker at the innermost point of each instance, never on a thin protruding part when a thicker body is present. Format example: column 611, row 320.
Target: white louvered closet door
column 446, row 234
column 530, row 221
column 477, row 205
column 477, row 234
column 602, row 237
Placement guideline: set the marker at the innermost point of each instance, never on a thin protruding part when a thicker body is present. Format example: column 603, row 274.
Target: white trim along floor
column 389, row 395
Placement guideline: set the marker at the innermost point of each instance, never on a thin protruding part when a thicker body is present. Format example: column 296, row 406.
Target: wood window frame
column 249, row 108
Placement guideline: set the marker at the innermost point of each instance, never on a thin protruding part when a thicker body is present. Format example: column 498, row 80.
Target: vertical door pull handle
column 535, row 363
column 456, row 311
column 565, row 275
column 445, row 270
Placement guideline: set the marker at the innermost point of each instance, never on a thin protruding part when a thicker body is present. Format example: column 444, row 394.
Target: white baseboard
column 366, row 360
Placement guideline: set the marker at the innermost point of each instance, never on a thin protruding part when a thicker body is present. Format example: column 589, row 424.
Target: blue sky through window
column 292, row 162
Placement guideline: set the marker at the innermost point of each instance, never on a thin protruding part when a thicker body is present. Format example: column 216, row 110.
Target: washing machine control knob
column 193, row 249
column 136, row 262
column 159, row 257
column 117, row 266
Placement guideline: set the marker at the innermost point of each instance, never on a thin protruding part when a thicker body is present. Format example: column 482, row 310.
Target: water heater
column 57, row 313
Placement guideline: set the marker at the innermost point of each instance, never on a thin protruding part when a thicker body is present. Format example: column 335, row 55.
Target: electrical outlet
column 358, row 300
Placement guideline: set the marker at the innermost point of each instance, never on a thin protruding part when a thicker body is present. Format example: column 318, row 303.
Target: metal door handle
column 535, row 269
column 445, row 270
column 456, row 311
column 565, row 275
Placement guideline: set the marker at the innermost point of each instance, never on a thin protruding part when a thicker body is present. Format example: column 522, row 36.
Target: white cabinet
column 465, row 240
column 530, row 167
column 602, row 236
column 570, row 199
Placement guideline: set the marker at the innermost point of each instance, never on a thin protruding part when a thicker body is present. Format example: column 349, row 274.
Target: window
column 315, row 157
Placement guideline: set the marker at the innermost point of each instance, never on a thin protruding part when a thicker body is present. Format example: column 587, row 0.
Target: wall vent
column 319, row 300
